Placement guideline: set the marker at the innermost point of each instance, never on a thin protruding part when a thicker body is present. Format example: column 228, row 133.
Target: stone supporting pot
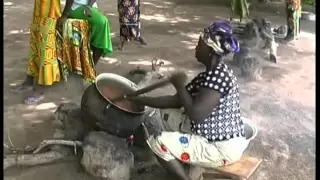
column 106, row 156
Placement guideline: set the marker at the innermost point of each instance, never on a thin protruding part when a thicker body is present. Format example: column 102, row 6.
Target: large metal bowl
column 121, row 83
column 100, row 113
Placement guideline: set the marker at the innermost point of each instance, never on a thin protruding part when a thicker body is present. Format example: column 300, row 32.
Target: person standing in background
column 293, row 19
column 53, row 56
column 43, row 66
column 129, row 19
column 239, row 8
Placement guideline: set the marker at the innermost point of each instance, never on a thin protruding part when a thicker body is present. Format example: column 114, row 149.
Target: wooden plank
column 243, row 168
column 216, row 176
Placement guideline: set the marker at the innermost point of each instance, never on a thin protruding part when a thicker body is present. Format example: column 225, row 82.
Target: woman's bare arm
column 200, row 107
column 162, row 102
column 67, row 8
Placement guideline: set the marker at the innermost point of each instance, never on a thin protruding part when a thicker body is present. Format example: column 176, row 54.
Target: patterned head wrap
column 219, row 36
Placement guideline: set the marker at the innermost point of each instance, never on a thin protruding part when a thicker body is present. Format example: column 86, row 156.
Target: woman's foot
column 26, row 85
column 196, row 172
column 34, row 98
column 142, row 41
column 289, row 38
column 286, row 40
column 21, row 87
column 96, row 55
column 120, row 47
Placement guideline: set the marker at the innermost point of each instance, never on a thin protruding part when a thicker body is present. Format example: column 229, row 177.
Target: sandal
column 19, row 88
column 33, row 99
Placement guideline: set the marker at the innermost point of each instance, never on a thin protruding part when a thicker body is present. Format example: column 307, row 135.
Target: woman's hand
column 87, row 11
column 178, row 78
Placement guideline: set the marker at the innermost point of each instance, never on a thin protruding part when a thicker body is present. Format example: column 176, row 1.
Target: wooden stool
column 240, row 170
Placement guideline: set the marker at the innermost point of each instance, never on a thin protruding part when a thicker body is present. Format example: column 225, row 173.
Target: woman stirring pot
column 215, row 135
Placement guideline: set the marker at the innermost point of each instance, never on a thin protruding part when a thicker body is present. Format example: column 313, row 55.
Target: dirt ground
column 282, row 104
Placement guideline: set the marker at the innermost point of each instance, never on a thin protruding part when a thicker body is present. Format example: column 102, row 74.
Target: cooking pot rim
column 121, row 79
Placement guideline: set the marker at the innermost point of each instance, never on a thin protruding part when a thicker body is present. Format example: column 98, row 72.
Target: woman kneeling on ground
column 215, row 133
column 100, row 39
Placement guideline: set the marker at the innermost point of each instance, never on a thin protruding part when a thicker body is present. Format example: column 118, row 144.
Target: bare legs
column 123, row 41
column 28, row 85
column 25, row 86
column 142, row 41
column 291, row 23
column 37, row 94
column 96, row 55
column 173, row 166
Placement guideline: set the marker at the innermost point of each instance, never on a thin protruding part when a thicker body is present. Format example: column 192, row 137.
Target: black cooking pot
column 99, row 111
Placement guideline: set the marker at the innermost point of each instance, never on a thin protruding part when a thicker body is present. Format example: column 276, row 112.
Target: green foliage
column 309, row 2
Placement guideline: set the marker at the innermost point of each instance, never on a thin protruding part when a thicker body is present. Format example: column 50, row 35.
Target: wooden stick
column 13, row 150
column 42, row 158
column 145, row 89
column 32, row 159
column 57, row 142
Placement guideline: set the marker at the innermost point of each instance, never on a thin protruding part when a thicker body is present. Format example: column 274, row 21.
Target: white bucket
column 250, row 129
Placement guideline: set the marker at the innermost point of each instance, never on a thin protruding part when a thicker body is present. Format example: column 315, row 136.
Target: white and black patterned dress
column 224, row 122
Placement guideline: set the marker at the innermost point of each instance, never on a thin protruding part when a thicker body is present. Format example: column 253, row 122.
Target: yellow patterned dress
column 43, row 63
column 73, row 50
